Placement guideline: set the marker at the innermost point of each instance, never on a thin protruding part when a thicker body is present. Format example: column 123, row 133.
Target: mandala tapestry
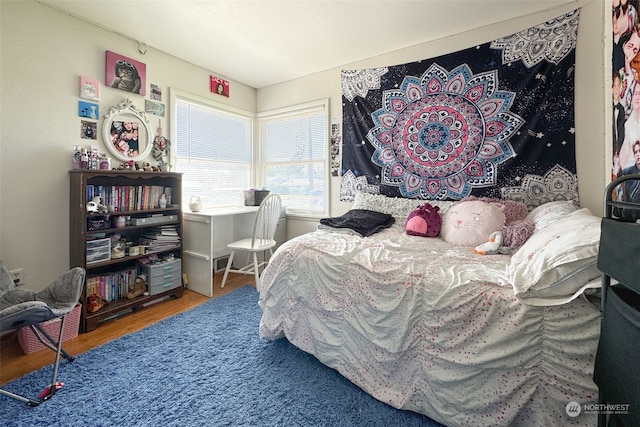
column 493, row 120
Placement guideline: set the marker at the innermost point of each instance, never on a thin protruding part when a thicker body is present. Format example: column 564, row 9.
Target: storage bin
column 98, row 250
column 163, row 277
column 254, row 197
column 30, row 344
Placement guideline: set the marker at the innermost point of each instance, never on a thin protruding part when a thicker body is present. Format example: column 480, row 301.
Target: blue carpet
column 204, row 367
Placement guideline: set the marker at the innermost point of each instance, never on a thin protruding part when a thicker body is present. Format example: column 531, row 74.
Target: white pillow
column 397, row 207
column 548, row 213
column 567, row 247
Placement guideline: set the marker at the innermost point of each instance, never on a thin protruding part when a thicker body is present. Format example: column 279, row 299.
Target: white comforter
column 432, row 328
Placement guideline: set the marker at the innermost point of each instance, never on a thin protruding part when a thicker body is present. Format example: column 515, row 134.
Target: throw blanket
column 493, row 120
column 360, row 221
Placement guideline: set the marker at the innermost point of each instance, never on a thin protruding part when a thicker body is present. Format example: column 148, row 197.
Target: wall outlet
column 18, row 276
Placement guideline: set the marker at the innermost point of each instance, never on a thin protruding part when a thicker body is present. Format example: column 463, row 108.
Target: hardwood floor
column 14, row 363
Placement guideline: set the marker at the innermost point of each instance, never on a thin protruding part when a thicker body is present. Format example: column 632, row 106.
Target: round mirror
column 126, row 132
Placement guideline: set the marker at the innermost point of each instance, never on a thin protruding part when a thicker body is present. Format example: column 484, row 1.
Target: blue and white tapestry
column 494, row 120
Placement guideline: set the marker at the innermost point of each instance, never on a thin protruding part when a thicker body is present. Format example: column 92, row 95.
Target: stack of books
column 160, row 238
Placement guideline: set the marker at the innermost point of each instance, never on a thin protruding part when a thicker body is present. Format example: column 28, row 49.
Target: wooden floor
column 14, row 363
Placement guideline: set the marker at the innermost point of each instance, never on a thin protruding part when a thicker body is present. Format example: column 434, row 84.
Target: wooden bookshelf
column 133, row 195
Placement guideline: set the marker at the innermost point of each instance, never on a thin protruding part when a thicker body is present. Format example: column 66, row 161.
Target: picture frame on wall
column 219, row 86
column 89, row 110
column 125, row 73
column 88, row 130
column 89, row 88
column 153, row 107
column 156, row 92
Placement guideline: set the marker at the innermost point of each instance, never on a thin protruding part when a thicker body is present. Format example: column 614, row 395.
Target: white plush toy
column 492, row 246
column 96, row 205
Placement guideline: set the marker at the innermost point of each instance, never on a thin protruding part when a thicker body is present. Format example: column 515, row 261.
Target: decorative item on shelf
column 76, row 158
column 95, row 303
column 120, row 221
column 148, row 168
column 104, row 163
column 195, row 204
column 139, row 287
column 254, row 197
column 128, row 165
column 118, row 250
column 163, row 201
column 95, row 205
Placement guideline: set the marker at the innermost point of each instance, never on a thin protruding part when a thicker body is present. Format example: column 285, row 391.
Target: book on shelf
column 160, row 238
column 129, row 197
column 111, row 286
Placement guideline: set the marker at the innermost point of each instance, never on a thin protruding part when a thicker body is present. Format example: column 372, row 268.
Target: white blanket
column 433, row 328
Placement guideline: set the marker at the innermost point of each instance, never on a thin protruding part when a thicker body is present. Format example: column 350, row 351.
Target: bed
column 426, row 326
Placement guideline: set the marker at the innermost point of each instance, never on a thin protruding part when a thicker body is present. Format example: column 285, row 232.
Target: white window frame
column 175, row 95
column 323, row 105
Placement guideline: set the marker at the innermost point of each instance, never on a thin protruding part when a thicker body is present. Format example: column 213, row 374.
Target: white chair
column 262, row 239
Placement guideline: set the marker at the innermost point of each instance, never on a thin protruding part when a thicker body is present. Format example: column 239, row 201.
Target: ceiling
column 263, row 42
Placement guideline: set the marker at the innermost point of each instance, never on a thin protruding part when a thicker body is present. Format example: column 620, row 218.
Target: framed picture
column 219, row 86
column 156, row 92
column 88, row 130
column 152, row 107
column 89, row 110
column 89, row 88
column 125, row 73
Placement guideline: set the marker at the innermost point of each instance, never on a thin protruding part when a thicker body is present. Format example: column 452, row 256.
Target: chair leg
column 55, row 385
column 256, row 271
column 48, row 392
column 227, row 268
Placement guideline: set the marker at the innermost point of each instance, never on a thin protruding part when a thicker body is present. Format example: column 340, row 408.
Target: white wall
column 43, row 53
column 589, row 80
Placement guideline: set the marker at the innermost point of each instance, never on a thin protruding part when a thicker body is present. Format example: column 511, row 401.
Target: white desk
column 205, row 238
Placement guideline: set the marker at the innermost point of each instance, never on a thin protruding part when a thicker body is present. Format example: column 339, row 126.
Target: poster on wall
column 219, row 86
column 625, row 98
column 125, row 73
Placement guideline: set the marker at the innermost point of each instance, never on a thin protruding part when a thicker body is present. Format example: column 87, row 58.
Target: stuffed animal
column 425, row 221
column 470, row 223
column 96, row 205
column 139, row 287
column 492, row 246
column 95, row 303
column 516, row 229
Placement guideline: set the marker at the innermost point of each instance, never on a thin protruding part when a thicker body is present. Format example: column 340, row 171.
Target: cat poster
column 125, row 73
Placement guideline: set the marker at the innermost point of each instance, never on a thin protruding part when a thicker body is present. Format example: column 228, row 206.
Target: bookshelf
column 129, row 233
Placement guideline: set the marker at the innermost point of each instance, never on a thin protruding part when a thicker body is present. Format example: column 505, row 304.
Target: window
column 294, row 157
column 213, row 151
